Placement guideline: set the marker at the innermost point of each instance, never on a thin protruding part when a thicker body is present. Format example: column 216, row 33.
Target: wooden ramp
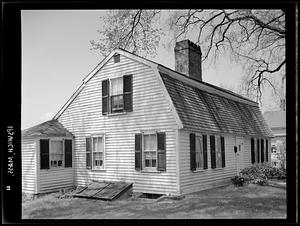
column 103, row 190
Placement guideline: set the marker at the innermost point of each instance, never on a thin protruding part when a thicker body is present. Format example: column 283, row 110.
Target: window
column 116, row 58
column 199, row 152
column 98, row 150
column 95, row 152
column 219, row 153
column 217, row 150
column 117, row 95
column 150, row 151
column 56, row 153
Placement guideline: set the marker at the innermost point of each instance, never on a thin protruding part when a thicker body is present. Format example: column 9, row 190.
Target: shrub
column 258, row 174
column 238, row 181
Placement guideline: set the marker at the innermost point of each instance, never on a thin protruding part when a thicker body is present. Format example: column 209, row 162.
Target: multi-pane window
column 150, row 150
column 218, row 153
column 56, row 153
column 95, row 152
column 116, row 95
column 199, row 152
column 98, row 150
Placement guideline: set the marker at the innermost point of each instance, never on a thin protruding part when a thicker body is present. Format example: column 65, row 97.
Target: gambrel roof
column 202, row 110
column 198, row 105
column 51, row 128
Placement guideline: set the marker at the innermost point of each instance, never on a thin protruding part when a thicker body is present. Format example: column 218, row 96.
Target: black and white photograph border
column 150, row 113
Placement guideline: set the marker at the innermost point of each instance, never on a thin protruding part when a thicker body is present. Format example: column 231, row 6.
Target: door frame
column 239, row 155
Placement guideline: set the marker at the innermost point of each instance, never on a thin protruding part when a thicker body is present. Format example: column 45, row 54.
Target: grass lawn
column 250, row 201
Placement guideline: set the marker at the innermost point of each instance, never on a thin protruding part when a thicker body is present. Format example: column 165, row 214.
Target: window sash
column 117, row 102
column 150, row 150
column 218, row 153
column 116, row 86
column 199, row 152
column 98, row 152
column 56, row 151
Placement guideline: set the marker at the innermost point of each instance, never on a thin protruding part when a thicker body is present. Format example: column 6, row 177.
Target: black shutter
column 257, row 151
column 138, row 151
column 193, row 151
column 204, row 151
column 262, row 150
column 267, row 150
column 127, row 90
column 44, row 153
column 252, row 151
column 105, row 96
column 223, row 151
column 161, row 151
column 68, row 153
column 213, row 152
column 88, row 143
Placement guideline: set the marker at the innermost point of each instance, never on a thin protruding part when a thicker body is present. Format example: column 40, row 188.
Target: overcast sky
column 57, row 55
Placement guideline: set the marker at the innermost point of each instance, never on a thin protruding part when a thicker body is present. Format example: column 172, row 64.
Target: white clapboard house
column 133, row 120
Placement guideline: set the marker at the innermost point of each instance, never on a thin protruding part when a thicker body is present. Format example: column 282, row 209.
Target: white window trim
column 198, row 169
column 50, row 150
column 144, row 168
column 92, row 152
column 217, row 168
column 109, row 104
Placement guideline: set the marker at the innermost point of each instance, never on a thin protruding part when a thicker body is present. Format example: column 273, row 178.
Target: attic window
column 116, row 58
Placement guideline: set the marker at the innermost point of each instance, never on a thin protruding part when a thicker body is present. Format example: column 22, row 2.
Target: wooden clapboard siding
column 54, row 178
column 28, row 165
column 151, row 111
column 204, row 179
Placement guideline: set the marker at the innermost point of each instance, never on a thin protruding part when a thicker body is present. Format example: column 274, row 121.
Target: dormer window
column 117, row 95
column 116, row 58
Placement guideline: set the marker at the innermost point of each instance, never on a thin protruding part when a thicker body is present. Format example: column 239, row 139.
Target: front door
column 239, row 155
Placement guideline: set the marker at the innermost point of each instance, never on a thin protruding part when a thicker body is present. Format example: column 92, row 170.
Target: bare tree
column 255, row 38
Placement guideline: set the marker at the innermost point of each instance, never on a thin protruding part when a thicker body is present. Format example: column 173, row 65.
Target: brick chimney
column 188, row 59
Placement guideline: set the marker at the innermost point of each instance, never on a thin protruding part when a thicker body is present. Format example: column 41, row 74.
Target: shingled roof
column 51, row 128
column 205, row 111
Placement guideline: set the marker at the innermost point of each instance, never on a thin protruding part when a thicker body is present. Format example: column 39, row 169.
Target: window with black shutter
column 68, row 153
column 223, row 151
column 267, row 151
column 88, row 145
column 44, row 153
column 127, row 92
column 252, row 151
column 117, row 95
column 213, row 152
column 105, row 96
column 204, row 138
column 193, row 151
column 138, row 151
column 257, row 151
column 262, row 150
column 161, row 151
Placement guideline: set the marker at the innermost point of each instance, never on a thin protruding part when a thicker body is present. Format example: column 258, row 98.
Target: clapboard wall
column 54, row 178
column 208, row 178
column 151, row 111
column 29, row 161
